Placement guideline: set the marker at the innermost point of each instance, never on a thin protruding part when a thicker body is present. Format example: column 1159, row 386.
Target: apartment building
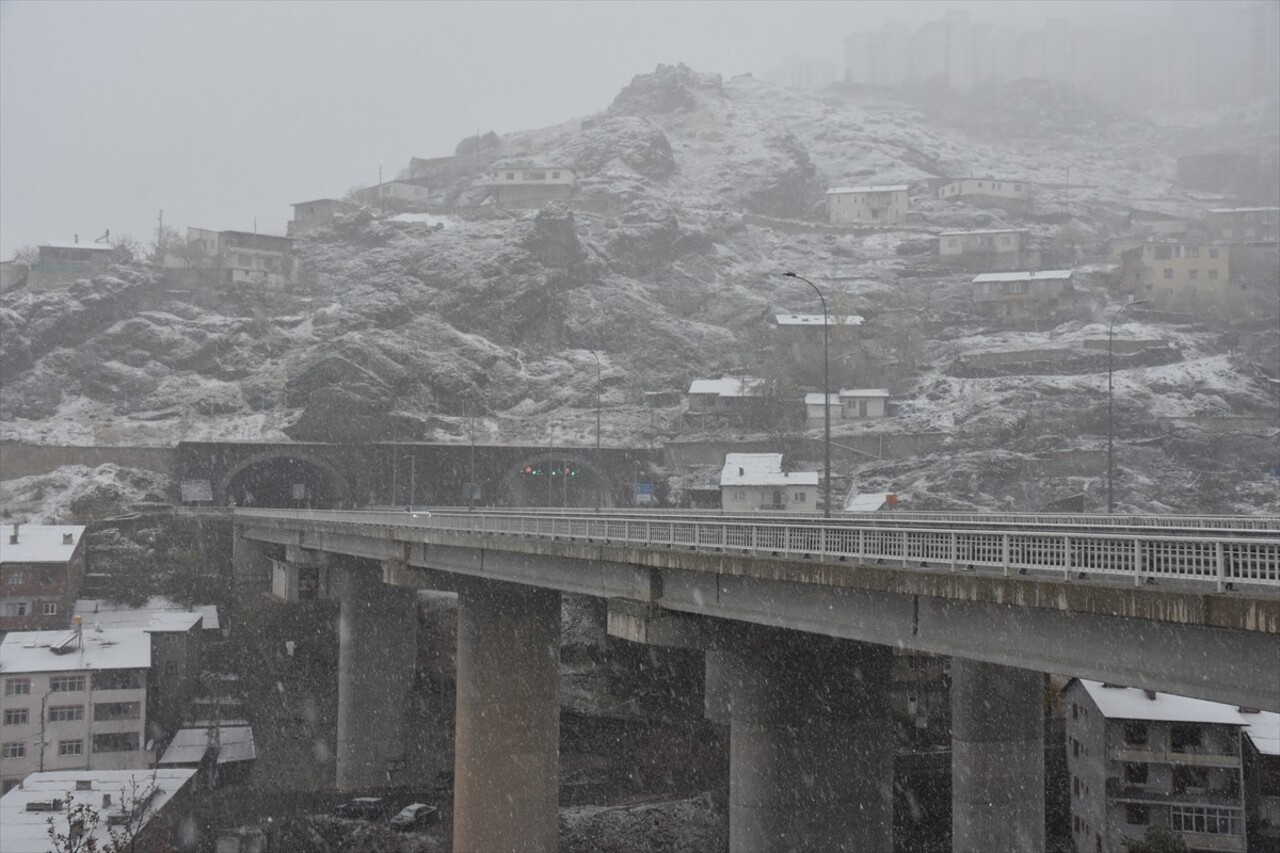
column 1179, row 270
column 73, row 699
column 1243, row 224
column 1137, row 758
column 239, row 257
column 886, row 204
column 991, row 250
column 41, row 569
column 1016, row 295
column 851, row 404
column 989, row 192
column 514, row 185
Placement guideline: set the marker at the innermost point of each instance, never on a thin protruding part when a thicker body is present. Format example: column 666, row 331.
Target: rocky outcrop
column 670, row 88
column 635, row 141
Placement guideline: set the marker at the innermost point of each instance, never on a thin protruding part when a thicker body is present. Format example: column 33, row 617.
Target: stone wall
column 26, row 460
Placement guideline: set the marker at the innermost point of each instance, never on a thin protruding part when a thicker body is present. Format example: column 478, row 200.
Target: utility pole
column 160, row 237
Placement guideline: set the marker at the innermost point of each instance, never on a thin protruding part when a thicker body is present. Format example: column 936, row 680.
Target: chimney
column 75, row 238
column 13, row 537
column 106, row 801
column 68, row 539
column 77, row 622
column 891, row 501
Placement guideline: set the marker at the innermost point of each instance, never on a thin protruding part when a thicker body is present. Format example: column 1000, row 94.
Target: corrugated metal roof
column 158, row 614
column 235, row 743
column 886, row 188
column 728, row 386
column 816, row 319
column 1043, row 275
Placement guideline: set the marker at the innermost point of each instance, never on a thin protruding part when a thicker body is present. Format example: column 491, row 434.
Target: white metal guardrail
column 1217, row 560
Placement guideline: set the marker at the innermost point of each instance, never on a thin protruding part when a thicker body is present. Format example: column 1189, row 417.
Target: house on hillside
column 238, row 258
column 1138, row 758
column 528, row 186
column 74, row 699
column 1243, row 224
column 993, row 250
column 848, row 405
column 434, row 172
column 1177, row 271
column 399, row 195
column 870, row 502
column 723, row 396
column 153, row 806
column 989, row 192
column 41, row 569
column 1146, row 224
column 1017, row 295
column 755, row 481
column 869, row 205
column 310, row 216
column 62, row 262
column 801, row 335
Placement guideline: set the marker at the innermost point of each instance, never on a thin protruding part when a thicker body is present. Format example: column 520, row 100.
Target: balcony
column 1150, row 756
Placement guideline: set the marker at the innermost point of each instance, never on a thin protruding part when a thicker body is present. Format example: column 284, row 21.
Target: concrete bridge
column 343, row 476
column 797, row 618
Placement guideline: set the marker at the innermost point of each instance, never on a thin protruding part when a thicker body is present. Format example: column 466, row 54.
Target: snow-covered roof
column 1263, row 728
column 319, row 200
column 816, row 319
column 1244, row 210
column 235, row 743
column 27, row 831
column 69, row 244
column 1043, row 275
column 762, row 469
column 987, row 231
column 886, row 188
column 867, row 501
column 158, row 614
column 39, row 543
column 1131, row 703
column 815, row 399
column 32, row 651
column 727, row 386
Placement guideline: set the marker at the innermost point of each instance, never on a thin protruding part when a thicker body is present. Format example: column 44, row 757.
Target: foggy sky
column 220, row 113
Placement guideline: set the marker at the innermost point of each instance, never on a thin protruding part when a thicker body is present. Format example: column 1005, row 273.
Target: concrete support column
column 507, row 740
column 377, row 650
column 810, row 743
column 997, row 757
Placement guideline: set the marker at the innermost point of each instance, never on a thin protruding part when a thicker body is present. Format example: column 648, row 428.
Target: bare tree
column 28, row 255
column 124, row 828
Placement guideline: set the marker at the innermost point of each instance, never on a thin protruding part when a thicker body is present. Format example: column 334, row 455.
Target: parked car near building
column 363, row 808
column 414, row 816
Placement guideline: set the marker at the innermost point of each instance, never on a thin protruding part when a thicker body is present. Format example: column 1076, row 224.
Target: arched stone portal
column 294, row 480
column 557, row 479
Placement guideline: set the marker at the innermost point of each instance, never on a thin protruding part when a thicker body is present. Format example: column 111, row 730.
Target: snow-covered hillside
column 427, row 327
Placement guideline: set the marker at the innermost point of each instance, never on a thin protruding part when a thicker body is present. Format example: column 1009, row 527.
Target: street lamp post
column 826, row 398
column 1111, row 432
column 597, row 457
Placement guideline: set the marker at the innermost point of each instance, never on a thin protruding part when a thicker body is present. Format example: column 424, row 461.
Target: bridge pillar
column 507, row 740
column 997, row 757
column 377, row 650
column 810, row 743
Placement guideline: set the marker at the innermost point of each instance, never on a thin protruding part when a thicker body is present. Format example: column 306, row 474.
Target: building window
column 66, row 713
column 1136, row 814
column 1184, row 737
column 1075, row 711
column 15, row 608
column 1213, row 254
column 1164, row 253
column 1135, row 774
column 1187, row 778
column 17, row 686
column 15, row 716
column 116, row 742
column 116, row 711
column 1193, row 274
column 118, row 679
column 1135, row 733
column 1017, row 188
column 801, row 497
column 1205, row 819
column 1190, row 251
column 1213, row 275
column 15, row 579
column 70, row 747
column 49, row 608
column 555, row 175
column 1168, row 272
column 13, row 750
column 511, row 176
column 66, row 683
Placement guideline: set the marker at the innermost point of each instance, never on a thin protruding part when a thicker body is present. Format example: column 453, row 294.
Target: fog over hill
column 694, row 194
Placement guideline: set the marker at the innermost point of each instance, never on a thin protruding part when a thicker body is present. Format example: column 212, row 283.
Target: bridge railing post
column 1220, row 556
column 1004, row 553
column 861, row 548
column 1066, row 558
column 1137, row 561
column 904, row 549
column 953, row 550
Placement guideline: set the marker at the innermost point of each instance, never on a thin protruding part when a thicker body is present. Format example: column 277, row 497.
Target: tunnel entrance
column 557, row 481
column 285, row 482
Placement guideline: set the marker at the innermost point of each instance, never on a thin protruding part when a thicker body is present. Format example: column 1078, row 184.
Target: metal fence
column 1141, row 553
